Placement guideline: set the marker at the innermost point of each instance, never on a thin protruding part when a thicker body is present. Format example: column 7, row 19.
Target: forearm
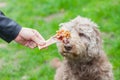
column 9, row 29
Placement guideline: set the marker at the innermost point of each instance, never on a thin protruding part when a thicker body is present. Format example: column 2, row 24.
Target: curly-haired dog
column 84, row 58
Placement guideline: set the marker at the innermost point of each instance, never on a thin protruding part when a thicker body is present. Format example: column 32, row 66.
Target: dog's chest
column 81, row 72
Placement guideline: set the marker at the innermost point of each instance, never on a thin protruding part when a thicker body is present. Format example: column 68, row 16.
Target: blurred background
column 21, row 63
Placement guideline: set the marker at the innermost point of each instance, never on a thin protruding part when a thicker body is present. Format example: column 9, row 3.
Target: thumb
column 38, row 41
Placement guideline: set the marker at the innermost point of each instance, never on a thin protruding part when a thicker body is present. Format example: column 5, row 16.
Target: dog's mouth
column 68, row 50
column 69, row 54
column 66, row 53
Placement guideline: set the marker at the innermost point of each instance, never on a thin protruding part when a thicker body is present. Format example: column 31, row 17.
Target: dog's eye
column 81, row 34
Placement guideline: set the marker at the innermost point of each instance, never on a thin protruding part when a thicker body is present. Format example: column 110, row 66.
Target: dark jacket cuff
column 9, row 29
column 11, row 34
column 14, row 34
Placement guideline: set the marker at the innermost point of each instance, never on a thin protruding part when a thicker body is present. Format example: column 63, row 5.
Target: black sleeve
column 9, row 29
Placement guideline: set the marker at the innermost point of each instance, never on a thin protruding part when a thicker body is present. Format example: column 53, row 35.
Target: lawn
column 21, row 63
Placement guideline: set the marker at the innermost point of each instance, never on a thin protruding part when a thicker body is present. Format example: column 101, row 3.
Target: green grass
column 18, row 62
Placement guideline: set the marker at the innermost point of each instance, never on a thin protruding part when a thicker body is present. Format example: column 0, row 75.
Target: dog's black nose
column 68, row 47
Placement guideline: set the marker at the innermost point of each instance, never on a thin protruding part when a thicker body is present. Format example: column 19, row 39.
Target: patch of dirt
column 2, row 62
column 36, row 69
column 3, row 45
column 108, row 35
column 25, row 77
column 16, row 58
column 54, row 16
column 2, row 4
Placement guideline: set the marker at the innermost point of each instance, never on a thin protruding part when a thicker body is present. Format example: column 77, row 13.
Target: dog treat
column 49, row 42
column 59, row 36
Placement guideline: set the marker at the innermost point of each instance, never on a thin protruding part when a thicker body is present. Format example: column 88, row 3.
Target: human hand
column 30, row 38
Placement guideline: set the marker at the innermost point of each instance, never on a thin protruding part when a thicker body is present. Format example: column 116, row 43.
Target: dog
column 84, row 58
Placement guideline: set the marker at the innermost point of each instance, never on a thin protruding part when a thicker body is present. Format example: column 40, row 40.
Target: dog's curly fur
column 84, row 58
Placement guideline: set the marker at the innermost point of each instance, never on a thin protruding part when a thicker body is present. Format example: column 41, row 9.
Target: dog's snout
column 68, row 47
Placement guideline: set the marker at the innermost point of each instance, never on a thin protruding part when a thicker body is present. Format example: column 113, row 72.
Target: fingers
column 38, row 35
column 38, row 41
column 31, row 44
column 37, row 38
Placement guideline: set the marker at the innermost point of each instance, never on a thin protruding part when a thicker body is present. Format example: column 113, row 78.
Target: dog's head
column 85, row 41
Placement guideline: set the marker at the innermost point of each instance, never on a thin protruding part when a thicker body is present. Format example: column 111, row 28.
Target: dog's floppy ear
column 96, row 44
column 98, row 37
